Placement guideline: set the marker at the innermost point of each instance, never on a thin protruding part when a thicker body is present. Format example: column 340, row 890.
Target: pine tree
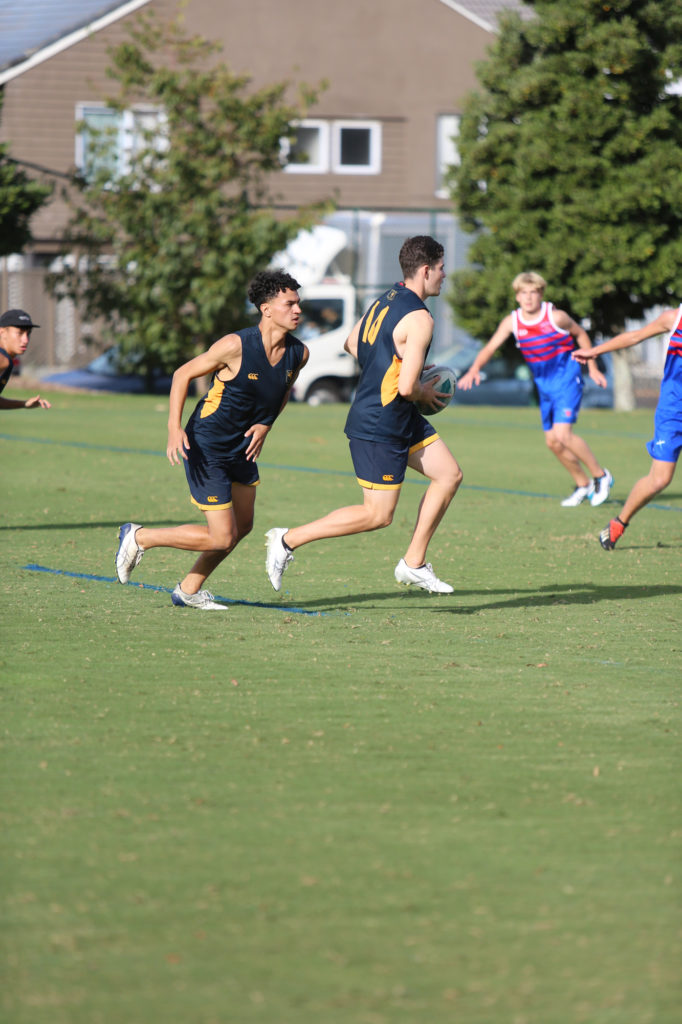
column 571, row 162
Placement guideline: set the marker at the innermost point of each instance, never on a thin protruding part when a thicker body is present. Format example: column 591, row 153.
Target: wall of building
column 397, row 61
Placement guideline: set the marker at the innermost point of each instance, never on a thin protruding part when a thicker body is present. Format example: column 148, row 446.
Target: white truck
column 342, row 265
column 331, row 373
column 328, row 301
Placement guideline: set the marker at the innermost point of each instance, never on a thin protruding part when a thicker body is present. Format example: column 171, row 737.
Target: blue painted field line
column 84, row 444
column 32, row 567
column 312, row 469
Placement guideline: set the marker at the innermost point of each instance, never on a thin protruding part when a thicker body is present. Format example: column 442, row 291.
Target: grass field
column 349, row 803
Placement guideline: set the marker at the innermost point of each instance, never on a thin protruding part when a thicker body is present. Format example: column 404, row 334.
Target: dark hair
column 419, row 251
column 269, row 283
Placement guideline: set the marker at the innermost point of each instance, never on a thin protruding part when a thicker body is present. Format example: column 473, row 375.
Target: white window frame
column 322, row 166
column 447, row 154
column 126, row 132
column 374, row 165
column 82, row 109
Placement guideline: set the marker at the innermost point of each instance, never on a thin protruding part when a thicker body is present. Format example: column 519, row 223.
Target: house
column 377, row 139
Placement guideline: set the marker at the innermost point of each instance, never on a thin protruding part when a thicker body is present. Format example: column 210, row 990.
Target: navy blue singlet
column 379, row 412
column 254, row 395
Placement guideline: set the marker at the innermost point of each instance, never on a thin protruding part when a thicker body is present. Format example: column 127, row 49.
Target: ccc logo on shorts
column 253, row 376
column 212, row 498
column 387, row 477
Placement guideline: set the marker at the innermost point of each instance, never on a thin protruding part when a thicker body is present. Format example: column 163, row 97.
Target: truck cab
column 330, row 374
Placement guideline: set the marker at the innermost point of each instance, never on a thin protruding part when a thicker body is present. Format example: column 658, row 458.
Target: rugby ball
column 444, row 379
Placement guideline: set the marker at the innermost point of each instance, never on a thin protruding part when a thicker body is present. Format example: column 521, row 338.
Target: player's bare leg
column 646, row 488
column 241, row 524
column 657, row 479
column 573, row 453
column 220, row 532
column 375, row 513
column 436, row 462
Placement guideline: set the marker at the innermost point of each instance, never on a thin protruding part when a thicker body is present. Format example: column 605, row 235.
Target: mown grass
column 397, row 808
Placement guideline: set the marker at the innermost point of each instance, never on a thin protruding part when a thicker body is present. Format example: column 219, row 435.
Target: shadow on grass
column 114, row 524
column 535, row 597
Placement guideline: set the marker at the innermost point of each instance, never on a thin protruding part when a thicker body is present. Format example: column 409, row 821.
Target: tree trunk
column 623, row 388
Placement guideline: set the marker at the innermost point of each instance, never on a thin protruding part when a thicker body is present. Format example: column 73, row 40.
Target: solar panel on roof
column 31, row 25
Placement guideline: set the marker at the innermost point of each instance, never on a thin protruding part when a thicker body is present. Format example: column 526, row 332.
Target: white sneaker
column 424, row 577
column 578, row 496
column 203, row 599
column 602, row 487
column 129, row 552
column 277, row 557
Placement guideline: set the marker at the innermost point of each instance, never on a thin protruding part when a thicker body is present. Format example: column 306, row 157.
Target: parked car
column 504, row 384
column 103, row 374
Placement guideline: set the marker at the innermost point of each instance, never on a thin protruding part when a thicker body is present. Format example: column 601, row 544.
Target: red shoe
column 611, row 534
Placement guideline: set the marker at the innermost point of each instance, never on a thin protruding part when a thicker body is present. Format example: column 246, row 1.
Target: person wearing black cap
column 15, row 333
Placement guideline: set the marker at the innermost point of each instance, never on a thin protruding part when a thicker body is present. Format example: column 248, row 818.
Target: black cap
column 17, row 318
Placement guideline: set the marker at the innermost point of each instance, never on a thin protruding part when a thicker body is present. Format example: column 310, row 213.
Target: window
column 319, row 317
column 447, row 155
column 341, row 147
column 92, row 155
column 356, row 147
column 110, row 138
column 309, row 152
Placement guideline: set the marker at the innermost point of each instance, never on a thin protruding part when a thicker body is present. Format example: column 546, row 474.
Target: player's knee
column 223, row 540
column 457, row 477
column 245, row 529
column 450, row 480
column 553, row 443
column 661, row 475
column 379, row 518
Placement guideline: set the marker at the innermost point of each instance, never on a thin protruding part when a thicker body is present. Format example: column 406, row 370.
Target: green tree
column 570, row 162
column 161, row 249
column 20, row 198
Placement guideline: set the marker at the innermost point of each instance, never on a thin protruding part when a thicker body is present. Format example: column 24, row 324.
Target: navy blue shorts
column 210, row 477
column 381, row 466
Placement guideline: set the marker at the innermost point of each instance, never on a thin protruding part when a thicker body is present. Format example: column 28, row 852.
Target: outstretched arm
column 626, row 339
column 20, row 403
column 473, row 374
column 582, row 341
column 30, row 403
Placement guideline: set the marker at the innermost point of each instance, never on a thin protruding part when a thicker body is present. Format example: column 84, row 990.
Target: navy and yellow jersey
column 6, row 372
column 379, row 412
column 254, row 395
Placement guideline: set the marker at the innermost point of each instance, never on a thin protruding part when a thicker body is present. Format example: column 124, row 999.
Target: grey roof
column 27, row 26
column 485, row 12
column 489, row 9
